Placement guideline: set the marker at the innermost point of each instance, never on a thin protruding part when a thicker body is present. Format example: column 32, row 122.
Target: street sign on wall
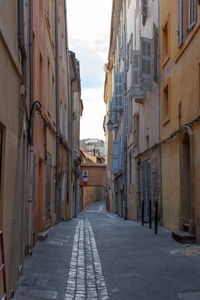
column 85, row 177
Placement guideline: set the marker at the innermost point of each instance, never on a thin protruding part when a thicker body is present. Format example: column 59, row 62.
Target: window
column 166, row 103
column 165, row 42
column 136, row 130
column 41, row 80
column 155, row 54
column 187, row 16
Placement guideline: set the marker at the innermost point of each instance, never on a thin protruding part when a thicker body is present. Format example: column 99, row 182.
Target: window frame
column 192, row 18
column 166, row 57
column 166, row 117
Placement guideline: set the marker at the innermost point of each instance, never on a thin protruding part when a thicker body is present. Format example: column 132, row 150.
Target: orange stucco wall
column 182, row 72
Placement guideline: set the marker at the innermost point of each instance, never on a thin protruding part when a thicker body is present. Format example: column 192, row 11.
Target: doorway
column 146, row 188
column 48, row 191
column 186, row 175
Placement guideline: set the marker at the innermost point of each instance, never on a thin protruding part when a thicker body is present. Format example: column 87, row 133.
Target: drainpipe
column 22, row 48
column 69, row 102
column 159, row 107
column 124, row 178
column 72, row 145
column 22, row 114
column 57, row 111
column 30, row 134
column 31, row 65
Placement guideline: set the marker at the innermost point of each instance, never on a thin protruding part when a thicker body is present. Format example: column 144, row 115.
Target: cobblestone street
column 100, row 256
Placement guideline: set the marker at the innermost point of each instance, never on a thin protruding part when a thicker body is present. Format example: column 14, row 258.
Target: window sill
column 165, row 61
column 165, row 120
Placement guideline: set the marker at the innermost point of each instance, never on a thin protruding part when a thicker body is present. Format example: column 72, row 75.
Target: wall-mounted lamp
column 109, row 125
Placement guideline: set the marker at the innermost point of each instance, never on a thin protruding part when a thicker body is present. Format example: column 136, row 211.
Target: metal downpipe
column 124, row 118
column 57, row 114
column 159, row 125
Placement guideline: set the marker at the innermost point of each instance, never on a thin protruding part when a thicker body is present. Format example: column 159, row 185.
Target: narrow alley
column 100, row 149
column 100, row 256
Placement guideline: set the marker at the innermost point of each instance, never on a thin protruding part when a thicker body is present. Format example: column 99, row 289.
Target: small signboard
column 85, row 177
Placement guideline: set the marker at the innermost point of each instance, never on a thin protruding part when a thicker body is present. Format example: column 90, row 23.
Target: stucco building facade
column 152, row 97
column 180, row 38
column 37, row 127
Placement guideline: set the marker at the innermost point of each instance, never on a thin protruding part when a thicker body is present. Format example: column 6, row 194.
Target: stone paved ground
column 100, row 256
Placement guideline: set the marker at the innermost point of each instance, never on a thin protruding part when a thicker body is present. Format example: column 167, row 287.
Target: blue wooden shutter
column 115, row 157
column 146, row 69
column 118, row 90
column 121, row 152
column 114, row 112
column 180, row 23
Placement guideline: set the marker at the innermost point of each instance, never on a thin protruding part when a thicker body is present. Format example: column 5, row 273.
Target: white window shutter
column 180, row 23
column 146, row 69
column 137, row 91
column 115, row 157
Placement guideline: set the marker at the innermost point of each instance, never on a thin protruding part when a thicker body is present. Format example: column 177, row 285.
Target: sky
column 88, row 34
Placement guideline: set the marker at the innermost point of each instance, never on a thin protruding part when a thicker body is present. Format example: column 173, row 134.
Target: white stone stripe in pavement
column 85, row 278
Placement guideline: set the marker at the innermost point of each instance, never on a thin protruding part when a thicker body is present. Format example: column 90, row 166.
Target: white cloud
column 88, row 30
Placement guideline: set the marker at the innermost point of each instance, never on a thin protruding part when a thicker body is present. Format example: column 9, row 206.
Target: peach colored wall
column 96, row 174
column 95, row 190
column 10, row 78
